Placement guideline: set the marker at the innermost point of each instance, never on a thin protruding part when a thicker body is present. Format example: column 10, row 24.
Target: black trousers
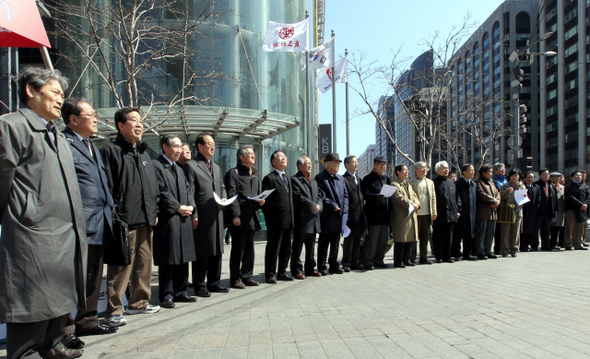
column 278, row 245
column 402, row 253
column 498, row 238
column 241, row 260
column 210, row 267
column 351, row 250
column 544, row 230
column 442, row 238
column 300, row 239
column 25, row 340
column 373, row 251
column 172, row 280
column 557, row 233
column 326, row 240
column 525, row 241
column 468, row 247
column 424, row 237
column 88, row 318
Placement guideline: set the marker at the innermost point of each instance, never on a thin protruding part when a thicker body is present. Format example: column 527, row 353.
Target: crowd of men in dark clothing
column 61, row 198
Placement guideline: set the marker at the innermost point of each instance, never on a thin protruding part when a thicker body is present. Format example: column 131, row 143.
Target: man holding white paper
column 205, row 178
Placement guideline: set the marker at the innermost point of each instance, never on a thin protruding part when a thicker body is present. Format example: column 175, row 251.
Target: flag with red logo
column 324, row 75
column 320, row 56
column 286, row 37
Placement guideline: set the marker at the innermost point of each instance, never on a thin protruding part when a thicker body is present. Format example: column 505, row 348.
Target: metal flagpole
column 347, row 118
column 334, row 138
column 308, row 104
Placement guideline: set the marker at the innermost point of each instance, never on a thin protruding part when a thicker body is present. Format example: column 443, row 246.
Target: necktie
column 51, row 130
column 355, row 180
column 285, row 180
column 174, row 170
column 209, row 167
column 87, row 143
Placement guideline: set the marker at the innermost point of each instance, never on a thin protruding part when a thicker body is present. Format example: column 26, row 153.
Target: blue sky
column 378, row 27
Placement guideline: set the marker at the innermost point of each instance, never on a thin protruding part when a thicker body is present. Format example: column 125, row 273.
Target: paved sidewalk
column 532, row 306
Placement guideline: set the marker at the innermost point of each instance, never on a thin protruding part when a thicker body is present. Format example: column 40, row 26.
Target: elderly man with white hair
column 448, row 210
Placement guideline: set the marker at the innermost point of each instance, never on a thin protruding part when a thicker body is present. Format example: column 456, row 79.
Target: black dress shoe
column 481, row 257
column 439, row 261
column 98, row 330
column 271, row 279
column 469, row 258
column 167, row 303
column 202, row 292
column 581, row 249
column 381, row 265
column 346, row 269
column 369, row 267
column 449, row 260
column 492, row 256
column 357, row 267
column 336, row 271
column 425, row 261
column 324, row 272
column 71, row 341
column 399, row 265
column 61, row 353
column 185, row 299
column 285, row 277
column 409, row 264
column 218, row 289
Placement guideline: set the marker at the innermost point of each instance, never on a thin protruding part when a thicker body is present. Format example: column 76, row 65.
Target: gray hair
column 167, row 140
column 438, row 164
column 498, row 165
column 37, row 77
column 348, row 159
column 301, row 160
column 420, row 164
column 242, row 152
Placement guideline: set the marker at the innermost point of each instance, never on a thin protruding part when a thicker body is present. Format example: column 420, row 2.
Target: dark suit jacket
column 278, row 208
column 465, row 227
column 357, row 221
column 377, row 207
column 530, row 209
column 448, row 202
column 94, row 190
column 575, row 197
column 209, row 232
column 239, row 181
column 548, row 206
column 306, row 196
column 173, row 235
column 330, row 219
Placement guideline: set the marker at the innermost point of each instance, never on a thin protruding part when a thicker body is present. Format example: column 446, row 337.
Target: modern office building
column 366, row 161
column 564, row 136
column 383, row 146
column 246, row 95
column 482, row 105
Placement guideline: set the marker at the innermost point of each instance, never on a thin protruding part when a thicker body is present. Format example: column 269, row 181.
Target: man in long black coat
column 465, row 227
column 205, row 178
column 334, row 213
column 242, row 181
column 278, row 212
column 357, row 223
column 529, row 213
column 174, row 246
column 448, row 210
column 378, row 213
column 307, row 203
column 547, row 210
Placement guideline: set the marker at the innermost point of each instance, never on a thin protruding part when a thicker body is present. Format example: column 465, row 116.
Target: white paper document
column 520, row 196
column 226, row 203
column 388, row 190
column 262, row 196
column 345, row 229
column 410, row 209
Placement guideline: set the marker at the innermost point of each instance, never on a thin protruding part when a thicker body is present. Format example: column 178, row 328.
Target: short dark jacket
column 332, row 220
column 377, row 207
column 238, row 180
column 306, row 198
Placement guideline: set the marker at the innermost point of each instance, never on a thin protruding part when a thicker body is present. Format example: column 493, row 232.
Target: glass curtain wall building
column 243, row 95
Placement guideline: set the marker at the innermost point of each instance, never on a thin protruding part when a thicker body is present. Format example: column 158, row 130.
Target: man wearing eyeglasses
column 81, row 122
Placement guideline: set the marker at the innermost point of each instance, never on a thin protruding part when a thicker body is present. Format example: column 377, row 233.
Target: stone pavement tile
column 235, row 352
column 237, row 339
column 475, row 351
column 118, row 356
column 387, row 348
column 285, row 350
column 311, row 350
column 260, row 337
column 336, row 348
column 361, row 348
column 210, row 353
column 184, row 354
column 214, row 340
column 260, row 351
column 193, row 341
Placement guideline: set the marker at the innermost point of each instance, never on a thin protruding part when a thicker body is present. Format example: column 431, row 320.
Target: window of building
column 571, row 50
column 571, row 32
column 571, row 67
column 551, row 94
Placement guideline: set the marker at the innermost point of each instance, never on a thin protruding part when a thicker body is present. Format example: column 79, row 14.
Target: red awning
column 21, row 25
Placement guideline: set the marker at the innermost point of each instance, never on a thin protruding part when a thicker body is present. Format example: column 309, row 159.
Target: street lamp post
column 519, row 119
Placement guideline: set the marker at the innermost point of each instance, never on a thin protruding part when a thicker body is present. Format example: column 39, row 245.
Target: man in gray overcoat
column 43, row 242
column 205, row 179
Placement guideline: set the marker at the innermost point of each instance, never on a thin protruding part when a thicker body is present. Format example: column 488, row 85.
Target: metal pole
column 309, row 122
column 347, row 117
column 334, row 133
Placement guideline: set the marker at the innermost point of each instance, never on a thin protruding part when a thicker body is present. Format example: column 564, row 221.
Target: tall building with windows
column 481, row 97
column 564, row 138
column 383, row 146
column 366, row 161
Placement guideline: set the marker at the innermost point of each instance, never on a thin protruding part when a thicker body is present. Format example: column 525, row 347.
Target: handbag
column 118, row 252
column 506, row 213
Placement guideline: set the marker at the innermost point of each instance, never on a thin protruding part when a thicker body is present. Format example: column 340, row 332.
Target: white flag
column 286, row 37
column 320, row 56
column 324, row 76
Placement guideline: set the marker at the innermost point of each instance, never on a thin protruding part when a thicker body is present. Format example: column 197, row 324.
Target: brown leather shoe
column 238, row 285
column 315, row 274
column 299, row 276
column 61, row 353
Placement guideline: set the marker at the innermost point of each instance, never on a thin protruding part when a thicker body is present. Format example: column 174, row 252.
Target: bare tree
column 141, row 51
column 425, row 100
